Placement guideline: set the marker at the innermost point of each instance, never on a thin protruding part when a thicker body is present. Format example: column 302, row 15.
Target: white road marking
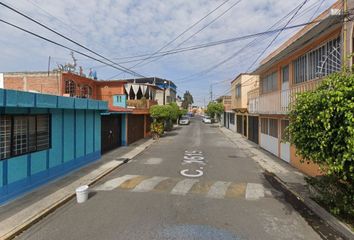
column 254, row 191
column 148, row 184
column 153, row 161
column 183, row 187
column 218, row 189
column 114, row 183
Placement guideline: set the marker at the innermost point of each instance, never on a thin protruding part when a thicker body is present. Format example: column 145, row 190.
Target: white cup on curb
column 82, row 193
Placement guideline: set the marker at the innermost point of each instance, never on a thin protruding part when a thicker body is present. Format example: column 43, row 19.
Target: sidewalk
column 288, row 177
column 21, row 213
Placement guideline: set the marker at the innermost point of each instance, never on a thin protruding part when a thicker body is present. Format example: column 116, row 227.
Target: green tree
column 322, row 130
column 187, row 100
column 215, row 109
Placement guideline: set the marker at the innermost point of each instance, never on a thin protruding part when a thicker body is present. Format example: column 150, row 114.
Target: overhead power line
column 247, row 46
column 178, row 36
column 276, row 36
column 197, row 32
column 58, row 44
column 121, row 68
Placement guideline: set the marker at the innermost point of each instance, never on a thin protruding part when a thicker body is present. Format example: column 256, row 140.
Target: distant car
column 206, row 119
column 184, row 121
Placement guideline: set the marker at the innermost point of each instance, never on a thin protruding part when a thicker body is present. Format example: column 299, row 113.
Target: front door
column 110, row 132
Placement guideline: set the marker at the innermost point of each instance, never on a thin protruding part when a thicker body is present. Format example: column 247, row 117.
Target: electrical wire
column 58, row 44
column 276, row 36
column 178, row 36
column 194, row 34
column 121, row 68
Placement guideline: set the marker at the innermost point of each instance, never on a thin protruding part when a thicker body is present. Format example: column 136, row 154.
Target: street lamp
column 164, row 92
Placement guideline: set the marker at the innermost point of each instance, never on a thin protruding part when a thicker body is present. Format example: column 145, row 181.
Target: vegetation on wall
column 322, row 130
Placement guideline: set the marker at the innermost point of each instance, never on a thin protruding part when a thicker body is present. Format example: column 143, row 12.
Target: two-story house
column 240, row 119
column 298, row 65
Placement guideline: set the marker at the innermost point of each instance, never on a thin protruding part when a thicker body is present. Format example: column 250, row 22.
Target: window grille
column 319, row 62
column 269, row 82
column 238, row 90
column 273, row 127
column 5, row 136
column 264, row 126
column 86, row 92
column 21, row 134
column 70, row 88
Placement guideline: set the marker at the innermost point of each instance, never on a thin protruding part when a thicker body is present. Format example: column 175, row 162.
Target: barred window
column 21, row 134
column 273, row 127
column 264, row 126
column 70, row 88
column 269, row 82
column 319, row 62
column 5, row 136
column 86, row 91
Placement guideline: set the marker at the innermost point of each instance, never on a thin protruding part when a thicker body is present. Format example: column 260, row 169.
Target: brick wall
column 38, row 82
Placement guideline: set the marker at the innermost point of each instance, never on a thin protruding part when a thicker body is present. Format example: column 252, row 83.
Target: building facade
column 43, row 137
column 299, row 65
column 243, row 121
column 127, row 118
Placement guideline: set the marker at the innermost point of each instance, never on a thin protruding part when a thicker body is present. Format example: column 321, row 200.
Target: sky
column 118, row 29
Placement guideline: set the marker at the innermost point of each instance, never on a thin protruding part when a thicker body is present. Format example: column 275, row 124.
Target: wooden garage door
column 135, row 128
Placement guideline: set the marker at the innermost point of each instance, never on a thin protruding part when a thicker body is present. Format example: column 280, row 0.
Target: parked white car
column 206, row 119
column 184, row 121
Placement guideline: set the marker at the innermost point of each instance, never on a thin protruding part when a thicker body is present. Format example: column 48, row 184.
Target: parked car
column 184, row 121
column 206, row 119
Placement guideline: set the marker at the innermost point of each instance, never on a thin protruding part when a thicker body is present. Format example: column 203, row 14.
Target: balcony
column 253, row 101
column 278, row 102
column 141, row 103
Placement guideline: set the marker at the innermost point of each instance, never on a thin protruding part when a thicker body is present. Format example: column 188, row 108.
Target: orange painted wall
column 106, row 90
column 310, row 169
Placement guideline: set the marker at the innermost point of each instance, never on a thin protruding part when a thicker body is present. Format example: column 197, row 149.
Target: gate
column 135, row 127
column 253, row 129
column 111, row 132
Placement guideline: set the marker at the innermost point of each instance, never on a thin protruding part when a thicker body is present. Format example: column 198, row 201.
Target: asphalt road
column 221, row 194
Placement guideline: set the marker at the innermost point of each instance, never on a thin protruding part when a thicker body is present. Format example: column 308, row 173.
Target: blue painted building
column 43, row 137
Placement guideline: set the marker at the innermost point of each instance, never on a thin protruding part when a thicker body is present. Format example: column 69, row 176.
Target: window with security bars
column 319, row 62
column 269, row 83
column 21, row 134
column 238, row 90
column 5, row 136
column 86, row 91
column 70, row 88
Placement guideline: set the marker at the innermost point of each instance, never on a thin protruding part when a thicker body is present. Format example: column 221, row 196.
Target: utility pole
column 211, row 92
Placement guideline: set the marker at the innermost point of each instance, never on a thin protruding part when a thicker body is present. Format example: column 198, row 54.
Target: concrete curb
column 45, row 212
column 334, row 226
column 338, row 227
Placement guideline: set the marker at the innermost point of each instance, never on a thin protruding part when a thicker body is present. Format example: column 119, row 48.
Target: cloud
column 129, row 27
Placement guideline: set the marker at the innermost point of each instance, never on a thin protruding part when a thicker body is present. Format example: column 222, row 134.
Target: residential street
column 224, row 197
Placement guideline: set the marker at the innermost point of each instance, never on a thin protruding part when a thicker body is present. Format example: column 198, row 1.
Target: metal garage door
column 135, row 127
column 253, row 128
column 111, row 132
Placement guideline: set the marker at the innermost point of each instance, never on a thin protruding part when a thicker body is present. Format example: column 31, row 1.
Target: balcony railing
column 141, row 103
column 278, row 102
